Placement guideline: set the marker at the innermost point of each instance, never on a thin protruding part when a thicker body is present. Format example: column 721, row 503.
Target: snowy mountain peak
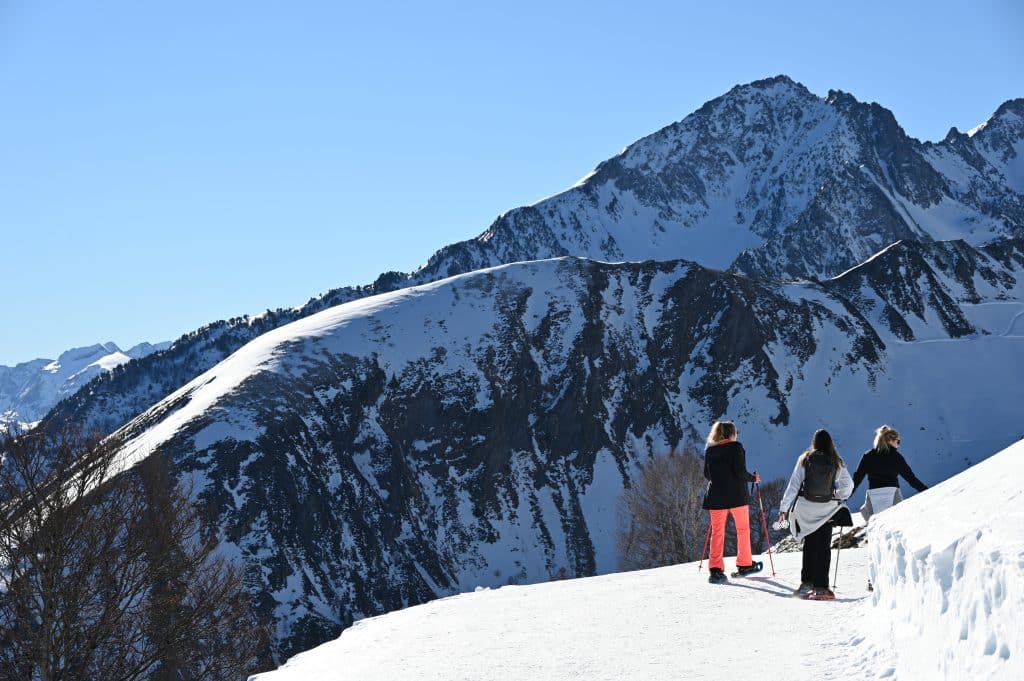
column 771, row 181
column 143, row 349
column 779, row 91
column 768, row 108
column 31, row 389
column 1009, row 113
column 954, row 136
column 999, row 144
column 83, row 356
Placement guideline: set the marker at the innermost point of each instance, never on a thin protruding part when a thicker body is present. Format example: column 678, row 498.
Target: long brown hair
column 822, row 442
column 721, row 430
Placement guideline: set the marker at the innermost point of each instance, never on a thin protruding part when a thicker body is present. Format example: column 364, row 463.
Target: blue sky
column 164, row 165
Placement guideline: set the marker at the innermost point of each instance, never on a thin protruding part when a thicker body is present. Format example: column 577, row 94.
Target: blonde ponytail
column 882, row 437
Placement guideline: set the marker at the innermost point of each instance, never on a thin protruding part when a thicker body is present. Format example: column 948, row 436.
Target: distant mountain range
column 789, row 261
column 31, row 389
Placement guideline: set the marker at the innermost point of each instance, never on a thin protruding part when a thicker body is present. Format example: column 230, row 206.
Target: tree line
column 111, row 575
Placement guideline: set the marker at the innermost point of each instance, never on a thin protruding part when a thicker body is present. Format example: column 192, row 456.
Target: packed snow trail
column 668, row 623
column 948, row 568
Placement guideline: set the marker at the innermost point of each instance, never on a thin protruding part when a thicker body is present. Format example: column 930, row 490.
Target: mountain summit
column 770, row 180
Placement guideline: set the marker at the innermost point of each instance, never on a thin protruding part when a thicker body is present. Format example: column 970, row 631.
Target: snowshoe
column 821, row 595
column 744, row 570
column 717, row 576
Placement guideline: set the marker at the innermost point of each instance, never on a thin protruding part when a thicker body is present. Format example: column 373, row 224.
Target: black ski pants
column 817, row 557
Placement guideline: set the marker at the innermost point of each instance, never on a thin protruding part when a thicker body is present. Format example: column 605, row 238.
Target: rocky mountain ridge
column 771, row 181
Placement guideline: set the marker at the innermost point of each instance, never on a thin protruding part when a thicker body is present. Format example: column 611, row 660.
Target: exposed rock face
column 479, row 430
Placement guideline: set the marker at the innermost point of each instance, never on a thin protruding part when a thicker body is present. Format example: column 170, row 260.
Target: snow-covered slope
column 949, row 566
column 948, row 569
column 30, row 389
column 479, row 430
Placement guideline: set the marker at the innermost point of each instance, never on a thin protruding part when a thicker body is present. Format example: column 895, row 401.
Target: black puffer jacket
column 725, row 465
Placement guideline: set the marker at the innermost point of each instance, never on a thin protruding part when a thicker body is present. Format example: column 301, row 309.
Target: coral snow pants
column 741, row 517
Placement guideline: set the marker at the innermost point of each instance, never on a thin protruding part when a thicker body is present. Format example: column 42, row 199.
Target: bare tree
column 660, row 516
column 106, row 576
column 661, row 520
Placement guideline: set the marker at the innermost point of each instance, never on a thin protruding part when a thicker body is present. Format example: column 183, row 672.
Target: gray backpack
column 819, row 477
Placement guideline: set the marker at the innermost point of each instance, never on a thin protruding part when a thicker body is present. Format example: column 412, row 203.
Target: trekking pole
column 707, row 542
column 764, row 527
column 839, row 547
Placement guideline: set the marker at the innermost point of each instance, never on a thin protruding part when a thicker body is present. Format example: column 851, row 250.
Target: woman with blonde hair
column 883, row 465
column 816, row 496
column 725, row 466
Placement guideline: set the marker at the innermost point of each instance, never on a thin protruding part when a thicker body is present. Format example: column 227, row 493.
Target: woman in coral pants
column 725, row 466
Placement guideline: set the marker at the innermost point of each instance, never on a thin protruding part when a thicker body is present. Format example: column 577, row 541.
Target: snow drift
column 949, row 570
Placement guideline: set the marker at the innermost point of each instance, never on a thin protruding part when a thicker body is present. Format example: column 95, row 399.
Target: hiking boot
column 820, row 594
column 743, row 570
column 804, row 589
column 717, row 576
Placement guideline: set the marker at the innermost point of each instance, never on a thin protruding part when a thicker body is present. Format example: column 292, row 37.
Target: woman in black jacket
column 883, row 465
column 725, row 466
